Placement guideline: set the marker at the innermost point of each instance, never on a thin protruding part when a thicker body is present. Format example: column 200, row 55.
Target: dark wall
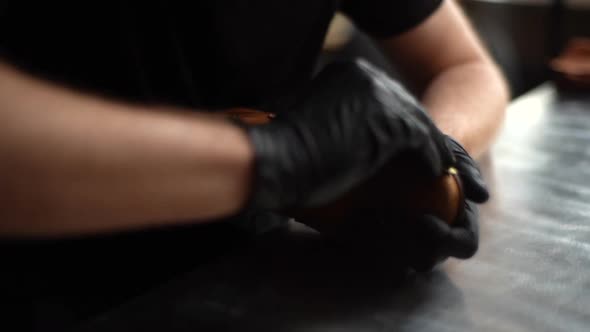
column 521, row 38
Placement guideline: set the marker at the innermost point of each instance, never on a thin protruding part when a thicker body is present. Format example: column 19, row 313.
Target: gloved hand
column 461, row 240
column 427, row 241
column 339, row 131
column 437, row 240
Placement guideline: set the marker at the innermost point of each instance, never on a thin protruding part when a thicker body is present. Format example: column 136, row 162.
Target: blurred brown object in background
column 399, row 187
column 571, row 69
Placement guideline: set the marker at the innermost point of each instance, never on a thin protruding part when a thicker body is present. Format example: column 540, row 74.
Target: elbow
column 494, row 80
column 501, row 83
column 500, row 88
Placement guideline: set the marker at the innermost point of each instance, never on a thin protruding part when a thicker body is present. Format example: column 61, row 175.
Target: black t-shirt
column 216, row 53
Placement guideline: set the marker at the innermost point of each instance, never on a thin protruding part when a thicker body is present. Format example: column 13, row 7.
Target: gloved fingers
column 427, row 240
column 463, row 239
column 473, row 183
column 444, row 147
column 429, row 233
column 425, row 263
column 460, row 240
column 430, row 155
column 432, row 229
column 396, row 238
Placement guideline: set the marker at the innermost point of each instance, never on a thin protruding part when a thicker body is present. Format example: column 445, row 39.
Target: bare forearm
column 467, row 102
column 78, row 164
column 445, row 63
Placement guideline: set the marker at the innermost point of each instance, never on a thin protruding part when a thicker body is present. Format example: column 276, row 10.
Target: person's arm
column 72, row 163
column 447, row 66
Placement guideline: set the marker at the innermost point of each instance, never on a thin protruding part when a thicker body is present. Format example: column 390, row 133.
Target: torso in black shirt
column 193, row 53
column 190, row 53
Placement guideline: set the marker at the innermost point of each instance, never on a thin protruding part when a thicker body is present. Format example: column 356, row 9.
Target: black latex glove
column 420, row 243
column 349, row 122
column 435, row 240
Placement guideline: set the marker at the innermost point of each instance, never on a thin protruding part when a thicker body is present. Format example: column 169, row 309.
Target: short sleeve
column 386, row 18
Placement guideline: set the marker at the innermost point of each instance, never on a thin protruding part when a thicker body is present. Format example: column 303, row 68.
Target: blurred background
column 525, row 37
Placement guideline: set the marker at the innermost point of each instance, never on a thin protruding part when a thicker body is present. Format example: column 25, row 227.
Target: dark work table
column 532, row 272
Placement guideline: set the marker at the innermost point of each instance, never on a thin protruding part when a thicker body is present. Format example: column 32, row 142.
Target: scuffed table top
column 532, row 272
